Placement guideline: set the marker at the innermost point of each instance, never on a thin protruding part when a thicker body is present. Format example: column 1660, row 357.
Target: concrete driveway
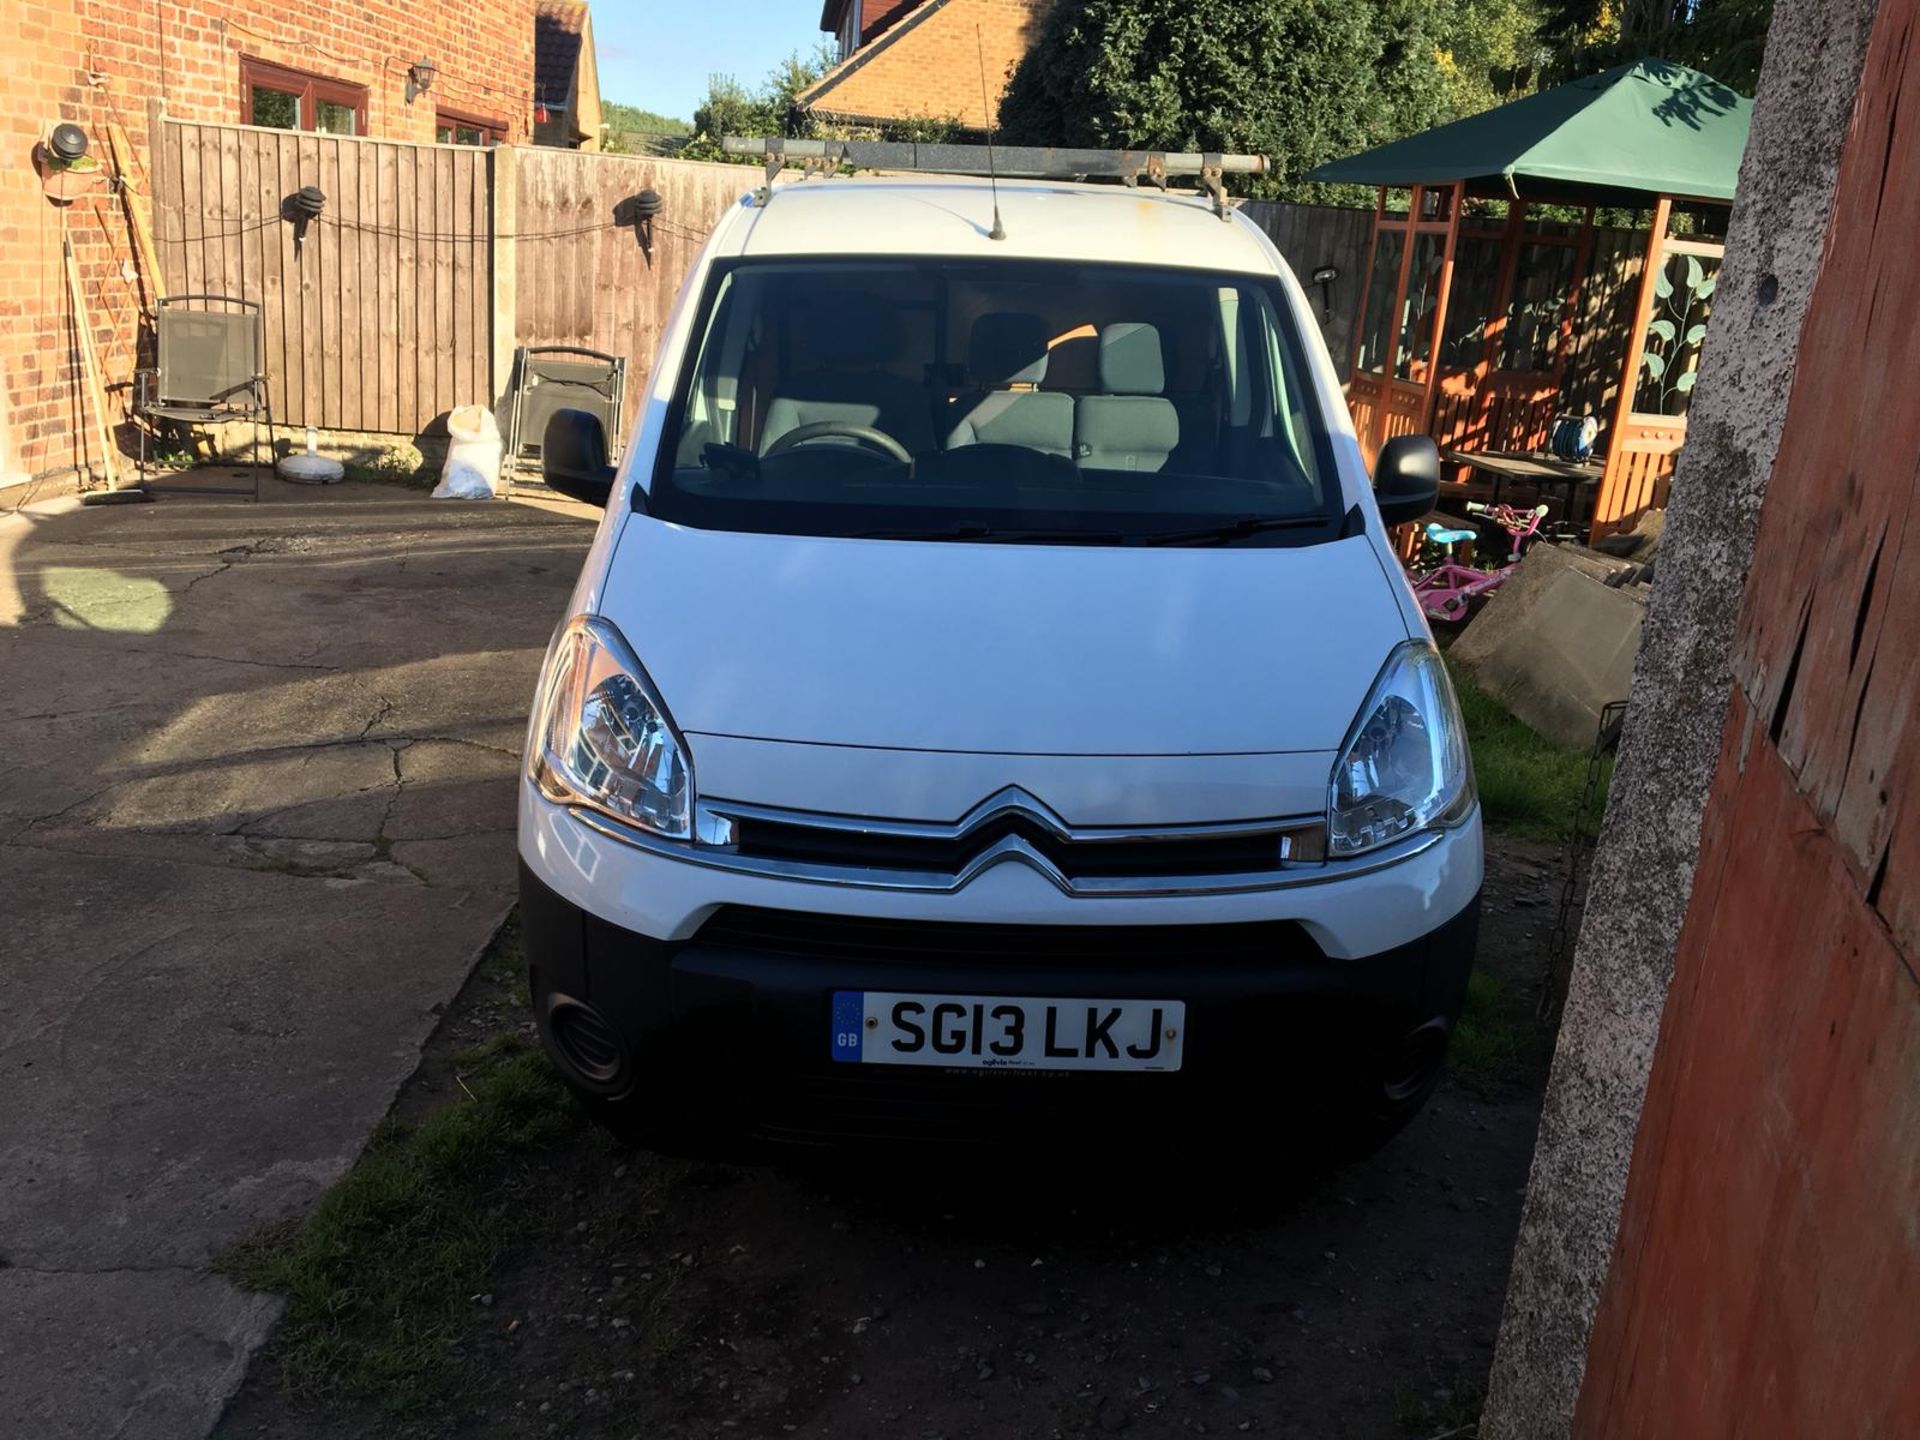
column 256, row 784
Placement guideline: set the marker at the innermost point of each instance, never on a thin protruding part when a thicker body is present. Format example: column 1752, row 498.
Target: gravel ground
column 651, row 1298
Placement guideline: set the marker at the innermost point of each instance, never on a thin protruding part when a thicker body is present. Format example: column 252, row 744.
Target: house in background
column 916, row 60
column 566, row 76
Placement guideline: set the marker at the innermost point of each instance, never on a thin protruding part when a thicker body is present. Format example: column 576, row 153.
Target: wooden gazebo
column 1482, row 240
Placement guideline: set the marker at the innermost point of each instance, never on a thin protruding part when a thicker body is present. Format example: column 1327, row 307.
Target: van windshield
column 998, row 400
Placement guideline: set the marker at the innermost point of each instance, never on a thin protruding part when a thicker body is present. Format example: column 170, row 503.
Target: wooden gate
column 379, row 316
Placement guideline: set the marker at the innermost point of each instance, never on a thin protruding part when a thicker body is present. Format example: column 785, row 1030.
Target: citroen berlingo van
column 992, row 713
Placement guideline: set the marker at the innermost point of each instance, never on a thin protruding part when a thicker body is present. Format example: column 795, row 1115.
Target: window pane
column 1372, row 354
column 1423, row 294
column 336, row 119
column 443, row 134
column 278, row 108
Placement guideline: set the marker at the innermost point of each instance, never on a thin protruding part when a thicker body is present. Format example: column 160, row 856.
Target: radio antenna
column 999, row 231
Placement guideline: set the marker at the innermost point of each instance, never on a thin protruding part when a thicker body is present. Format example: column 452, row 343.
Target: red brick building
column 906, row 60
column 346, row 66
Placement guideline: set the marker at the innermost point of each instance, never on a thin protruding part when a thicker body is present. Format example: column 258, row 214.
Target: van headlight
column 1405, row 765
column 603, row 739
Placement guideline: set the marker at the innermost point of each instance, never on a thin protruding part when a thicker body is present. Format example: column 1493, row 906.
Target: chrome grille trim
column 716, row 823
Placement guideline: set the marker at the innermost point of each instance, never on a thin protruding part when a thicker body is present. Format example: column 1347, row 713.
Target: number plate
column 1018, row 1032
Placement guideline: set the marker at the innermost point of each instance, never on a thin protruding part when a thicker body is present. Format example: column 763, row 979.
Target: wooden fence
column 582, row 278
column 428, row 263
column 1310, row 236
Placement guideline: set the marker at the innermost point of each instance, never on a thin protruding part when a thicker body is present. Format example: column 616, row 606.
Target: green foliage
column 379, row 1280
column 1527, row 783
column 1300, row 81
column 1724, row 38
column 631, row 130
column 732, row 109
column 1496, row 1041
column 632, row 120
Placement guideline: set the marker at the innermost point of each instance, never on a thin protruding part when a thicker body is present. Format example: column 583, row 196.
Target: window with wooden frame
column 284, row 99
column 451, row 127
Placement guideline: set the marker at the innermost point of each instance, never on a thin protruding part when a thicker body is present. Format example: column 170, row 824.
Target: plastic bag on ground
column 472, row 468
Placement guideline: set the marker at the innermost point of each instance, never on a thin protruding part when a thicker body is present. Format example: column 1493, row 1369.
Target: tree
column 631, row 130
column 1299, row 81
column 731, row 109
column 1724, row 38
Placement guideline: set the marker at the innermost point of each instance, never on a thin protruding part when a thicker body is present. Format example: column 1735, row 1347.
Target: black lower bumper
column 723, row 1040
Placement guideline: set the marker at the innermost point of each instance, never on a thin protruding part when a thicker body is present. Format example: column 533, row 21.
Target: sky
column 658, row 55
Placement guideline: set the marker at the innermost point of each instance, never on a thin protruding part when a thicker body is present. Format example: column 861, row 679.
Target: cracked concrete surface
column 256, row 807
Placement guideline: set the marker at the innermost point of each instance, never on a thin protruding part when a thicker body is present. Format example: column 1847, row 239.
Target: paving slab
column 256, row 809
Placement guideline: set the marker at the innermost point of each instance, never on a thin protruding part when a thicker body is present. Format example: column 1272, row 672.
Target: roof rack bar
column 1032, row 162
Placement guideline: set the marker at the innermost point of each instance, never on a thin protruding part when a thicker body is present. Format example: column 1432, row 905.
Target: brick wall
column 930, row 68
column 95, row 61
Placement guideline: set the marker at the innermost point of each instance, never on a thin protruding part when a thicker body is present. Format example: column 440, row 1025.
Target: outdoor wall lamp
column 638, row 211
column 1324, row 276
column 420, row 77
column 67, row 143
column 301, row 209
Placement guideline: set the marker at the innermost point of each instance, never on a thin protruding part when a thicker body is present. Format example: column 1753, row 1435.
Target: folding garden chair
column 550, row 378
column 210, row 372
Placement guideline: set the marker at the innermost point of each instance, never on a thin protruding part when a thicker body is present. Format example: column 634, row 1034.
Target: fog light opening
column 1416, row 1061
column 586, row 1044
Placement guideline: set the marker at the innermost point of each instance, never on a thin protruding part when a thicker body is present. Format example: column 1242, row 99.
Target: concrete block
column 1555, row 643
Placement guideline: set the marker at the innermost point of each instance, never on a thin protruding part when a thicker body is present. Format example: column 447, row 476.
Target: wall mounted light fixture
column 301, row 209
column 638, row 211
column 420, row 77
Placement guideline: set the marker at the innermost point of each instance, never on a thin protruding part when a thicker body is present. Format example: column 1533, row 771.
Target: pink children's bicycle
column 1447, row 591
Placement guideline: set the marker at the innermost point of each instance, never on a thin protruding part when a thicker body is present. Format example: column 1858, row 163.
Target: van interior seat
column 840, row 344
column 1132, row 426
column 1007, row 359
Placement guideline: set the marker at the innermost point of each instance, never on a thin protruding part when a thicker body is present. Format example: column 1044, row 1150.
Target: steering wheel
column 841, row 430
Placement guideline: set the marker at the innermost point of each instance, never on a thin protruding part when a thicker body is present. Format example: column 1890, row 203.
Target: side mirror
column 573, row 457
column 1406, row 478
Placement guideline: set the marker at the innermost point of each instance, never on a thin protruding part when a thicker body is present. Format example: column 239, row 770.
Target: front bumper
column 1348, row 909
column 722, row 1035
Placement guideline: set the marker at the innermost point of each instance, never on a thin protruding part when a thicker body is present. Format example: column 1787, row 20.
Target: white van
column 991, row 709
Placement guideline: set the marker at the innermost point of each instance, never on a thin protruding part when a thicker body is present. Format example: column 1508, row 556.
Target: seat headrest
column 1130, row 360
column 1008, row 348
column 847, row 331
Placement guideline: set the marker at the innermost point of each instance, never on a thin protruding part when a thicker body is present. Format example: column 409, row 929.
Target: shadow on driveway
column 256, row 808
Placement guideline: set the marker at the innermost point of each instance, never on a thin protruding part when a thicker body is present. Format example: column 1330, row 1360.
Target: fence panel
column 378, row 318
column 1310, row 236
column 583, row 278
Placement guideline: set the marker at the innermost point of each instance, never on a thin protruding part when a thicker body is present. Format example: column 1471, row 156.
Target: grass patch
column 1528, row 784
column 380, row 1281
column 1496, row 1042
column 1447, row 1409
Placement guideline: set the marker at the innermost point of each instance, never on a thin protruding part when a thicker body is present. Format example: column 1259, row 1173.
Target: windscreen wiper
column 996, row 535
column 1233, row 529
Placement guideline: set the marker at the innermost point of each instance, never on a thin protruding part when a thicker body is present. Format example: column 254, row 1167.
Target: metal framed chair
column 210, row 371
column 551, row 378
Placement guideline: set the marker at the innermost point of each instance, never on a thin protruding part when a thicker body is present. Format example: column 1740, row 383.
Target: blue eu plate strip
column 849, row 1021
